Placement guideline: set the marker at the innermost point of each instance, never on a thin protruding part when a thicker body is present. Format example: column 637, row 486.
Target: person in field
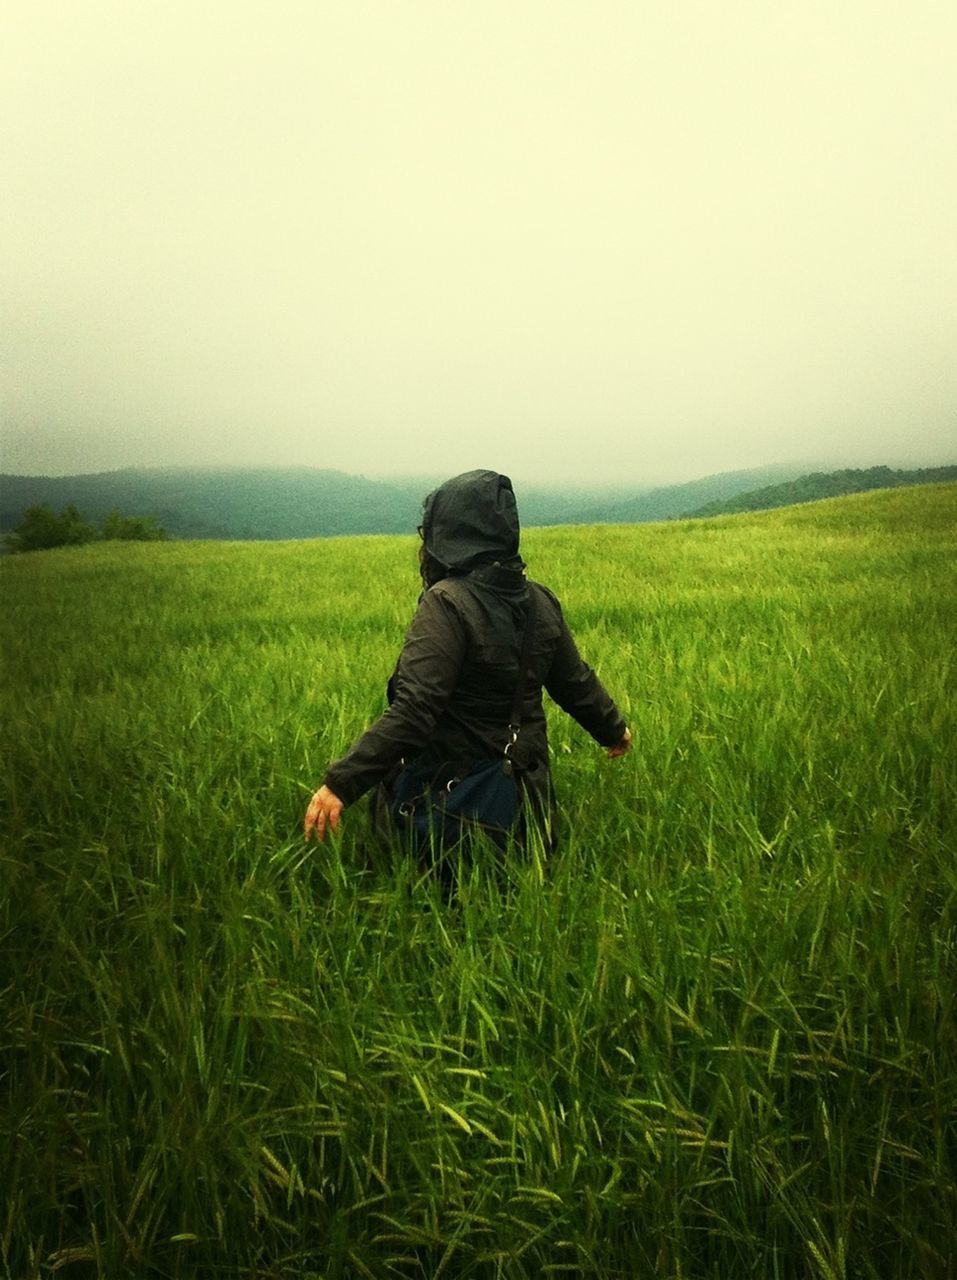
column 453, row 692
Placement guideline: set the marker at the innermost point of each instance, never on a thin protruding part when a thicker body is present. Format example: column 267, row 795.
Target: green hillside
column 667, row 502
column 275, row 503
column 305, row 502
column 817, row 485
column 255, row 503
column 713, row 1037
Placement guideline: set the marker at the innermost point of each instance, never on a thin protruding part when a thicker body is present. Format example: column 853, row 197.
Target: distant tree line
column 41, row 528
column 820, row 484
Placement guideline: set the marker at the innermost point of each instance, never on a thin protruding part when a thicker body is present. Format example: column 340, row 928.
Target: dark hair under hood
column 471, row 521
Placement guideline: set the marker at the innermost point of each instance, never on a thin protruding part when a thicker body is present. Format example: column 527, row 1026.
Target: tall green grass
column 713, row 1037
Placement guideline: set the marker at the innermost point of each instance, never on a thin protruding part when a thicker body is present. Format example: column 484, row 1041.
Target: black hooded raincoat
column 452, row 690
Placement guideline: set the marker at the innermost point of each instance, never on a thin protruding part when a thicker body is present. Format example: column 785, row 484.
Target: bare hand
column 325, row 810
column 622, row 748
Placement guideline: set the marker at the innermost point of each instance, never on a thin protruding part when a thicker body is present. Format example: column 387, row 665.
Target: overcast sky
column 597, row 240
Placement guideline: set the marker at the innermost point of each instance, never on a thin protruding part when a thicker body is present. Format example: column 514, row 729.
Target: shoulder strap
column 515, row 719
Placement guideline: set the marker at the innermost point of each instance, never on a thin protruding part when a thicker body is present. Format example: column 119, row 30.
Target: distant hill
column 256, row 503
column 268, row 503
column 816, row 485
column 302, row 502
column 670, row 501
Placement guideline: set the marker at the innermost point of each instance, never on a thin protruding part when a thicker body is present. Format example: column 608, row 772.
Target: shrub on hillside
column 132, row 528
column 41, row 528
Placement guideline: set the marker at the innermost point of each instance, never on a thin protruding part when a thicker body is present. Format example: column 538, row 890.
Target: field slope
column 714, row 1037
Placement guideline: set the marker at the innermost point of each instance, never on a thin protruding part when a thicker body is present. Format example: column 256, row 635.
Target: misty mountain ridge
column 269, row 503
column 817, row 485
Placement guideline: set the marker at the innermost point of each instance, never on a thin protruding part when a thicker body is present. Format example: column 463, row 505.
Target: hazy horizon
column 614, row 244
column 526, row 480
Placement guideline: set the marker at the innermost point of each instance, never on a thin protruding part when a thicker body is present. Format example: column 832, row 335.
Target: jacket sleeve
column 424, row 680
column 576, row 688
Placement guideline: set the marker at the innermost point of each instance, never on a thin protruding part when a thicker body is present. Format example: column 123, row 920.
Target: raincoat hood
column 471, row 520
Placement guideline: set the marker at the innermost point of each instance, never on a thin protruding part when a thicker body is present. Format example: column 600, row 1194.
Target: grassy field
column 714, row 1037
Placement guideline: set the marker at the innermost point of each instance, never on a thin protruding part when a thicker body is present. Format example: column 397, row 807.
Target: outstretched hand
column 324, row 812
column 621, row 748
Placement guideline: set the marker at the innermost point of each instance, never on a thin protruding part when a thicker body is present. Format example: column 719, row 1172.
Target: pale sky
column 604, row 240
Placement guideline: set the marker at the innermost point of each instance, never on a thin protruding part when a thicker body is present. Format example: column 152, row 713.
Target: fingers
column 315, row 820
column 621, row 748
column 325, row 811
